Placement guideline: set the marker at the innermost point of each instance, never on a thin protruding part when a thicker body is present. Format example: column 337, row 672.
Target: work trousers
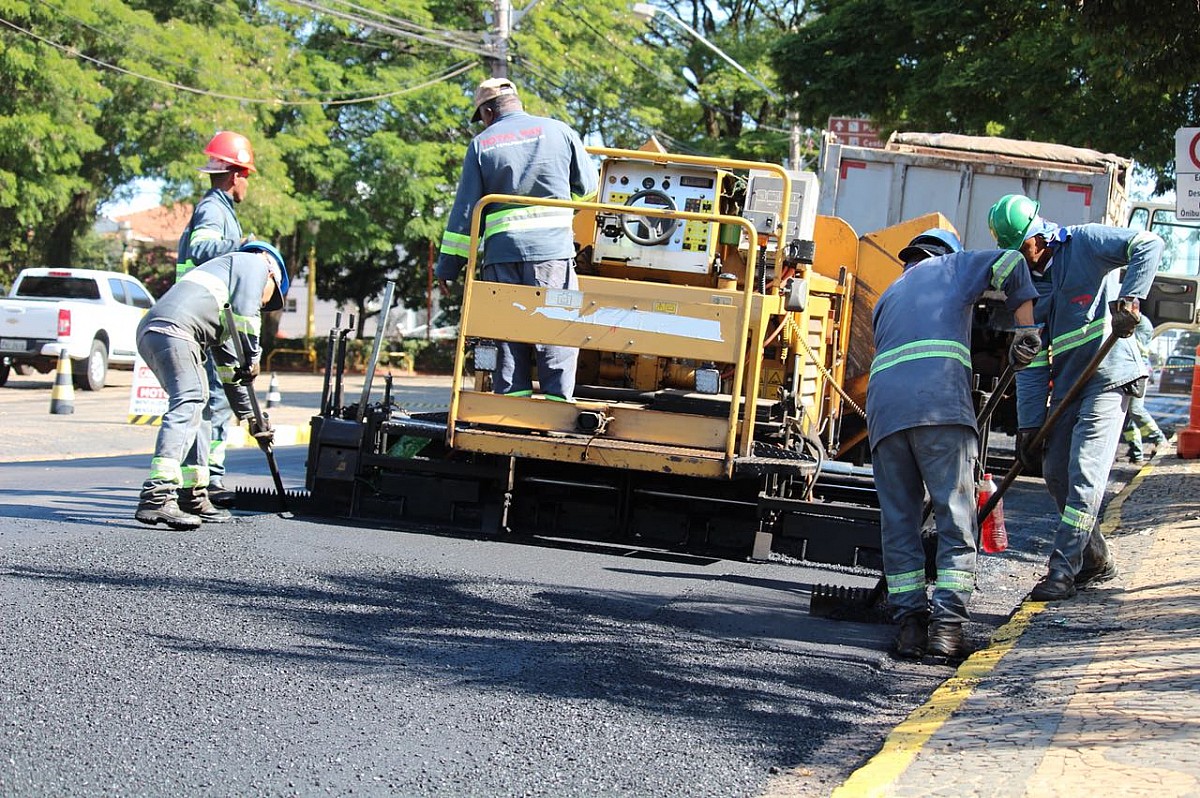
column 555, row 364
column 1140, row 426
column 1078, row 458
column 940, row 459
column 183, row 436
column 218, row 418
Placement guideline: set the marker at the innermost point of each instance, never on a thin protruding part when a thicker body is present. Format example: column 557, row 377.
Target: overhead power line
column 453, row 72
column 383, row 25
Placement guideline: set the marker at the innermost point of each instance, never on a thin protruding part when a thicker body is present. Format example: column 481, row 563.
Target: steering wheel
column 659, row 229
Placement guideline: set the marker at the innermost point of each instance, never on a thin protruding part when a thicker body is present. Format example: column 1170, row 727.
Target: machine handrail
column 743, row 325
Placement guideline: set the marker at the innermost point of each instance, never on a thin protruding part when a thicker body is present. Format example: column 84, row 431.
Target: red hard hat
column 229, row 149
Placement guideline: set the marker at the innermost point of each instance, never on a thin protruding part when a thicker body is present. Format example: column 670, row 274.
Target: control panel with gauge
column 651, row 242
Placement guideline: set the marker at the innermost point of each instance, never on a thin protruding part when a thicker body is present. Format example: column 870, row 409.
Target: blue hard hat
column 281, row 274
column 930, row 244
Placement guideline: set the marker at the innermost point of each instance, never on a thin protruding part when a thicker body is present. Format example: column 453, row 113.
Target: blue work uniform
column 174, row 337
column 213, row 230
column 530, row 156
column 1075, row 288
column 921, row 421
column 1140, row 426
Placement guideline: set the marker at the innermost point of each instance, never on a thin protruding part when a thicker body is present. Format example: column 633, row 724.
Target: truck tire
column 4, row 370
column 89, row 375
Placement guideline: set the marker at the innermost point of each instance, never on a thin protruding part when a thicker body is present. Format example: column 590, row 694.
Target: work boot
column 153, row 508
column 946, row 639
column 913, row 637
column 195, row 501
column 1054, row 586
column 1089, row 577
column 219, row 495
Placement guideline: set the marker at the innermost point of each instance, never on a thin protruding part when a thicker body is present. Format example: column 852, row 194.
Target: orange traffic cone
column 62, row 397
column 1187, row 443
column 273, row 397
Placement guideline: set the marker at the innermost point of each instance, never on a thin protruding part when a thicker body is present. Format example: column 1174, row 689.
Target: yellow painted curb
column 905, row 741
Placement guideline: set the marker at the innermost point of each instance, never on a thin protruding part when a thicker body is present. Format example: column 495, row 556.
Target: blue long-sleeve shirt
column 921, row 374
column 1074, row 290
column 213, row 230
column 527, row 156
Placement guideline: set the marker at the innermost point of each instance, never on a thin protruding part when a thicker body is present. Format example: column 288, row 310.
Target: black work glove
column 1125, row 313
column 264, row 435
column 245, row 376
column 1030, row 457
column 1026, row 344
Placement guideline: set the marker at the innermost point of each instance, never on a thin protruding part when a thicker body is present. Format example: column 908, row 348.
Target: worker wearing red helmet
column 214, row 230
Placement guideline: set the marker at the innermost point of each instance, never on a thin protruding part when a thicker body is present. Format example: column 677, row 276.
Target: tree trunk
column 60, row 245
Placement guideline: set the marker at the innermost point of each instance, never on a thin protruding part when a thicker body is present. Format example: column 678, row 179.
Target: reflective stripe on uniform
column 1003, row 267
column 958, row 581
column 166, row 469
column 1076, row 338
column 906, row 582
column 1079, row 520
column 952, row 350
column 183, row 268
column 204, row 234
column 251, row 325
column 210, row 282
column 456, row 244
column 531, row 218
column 195, row 477
column 225, row 373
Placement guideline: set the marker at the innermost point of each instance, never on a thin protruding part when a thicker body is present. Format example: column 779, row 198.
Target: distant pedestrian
column 528, row 156
column 1083, row 298
column 1140, row 426
column 214, row 230
column 922, row 428
column 174, row 337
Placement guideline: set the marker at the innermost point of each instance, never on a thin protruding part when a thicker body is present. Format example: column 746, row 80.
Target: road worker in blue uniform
column 922, row 429
column 1140, row 426
column 175, row 338
column 530, row 156
column 214, row 230
column 1082, row 298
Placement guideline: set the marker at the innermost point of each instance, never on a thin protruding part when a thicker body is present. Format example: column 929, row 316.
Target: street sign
column 1187, row 173
column 855, row 131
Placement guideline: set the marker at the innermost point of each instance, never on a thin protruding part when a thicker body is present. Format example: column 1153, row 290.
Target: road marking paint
column 906, row 740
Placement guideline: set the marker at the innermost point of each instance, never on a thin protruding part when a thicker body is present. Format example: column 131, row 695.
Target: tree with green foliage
column 1067, row 73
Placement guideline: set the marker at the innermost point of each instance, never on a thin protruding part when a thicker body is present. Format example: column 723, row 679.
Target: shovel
column 268, row 449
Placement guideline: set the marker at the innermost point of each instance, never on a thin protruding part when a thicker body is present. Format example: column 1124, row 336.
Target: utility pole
column 498, row 41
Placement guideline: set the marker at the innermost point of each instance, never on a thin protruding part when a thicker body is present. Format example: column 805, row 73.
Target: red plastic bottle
column 993, row 535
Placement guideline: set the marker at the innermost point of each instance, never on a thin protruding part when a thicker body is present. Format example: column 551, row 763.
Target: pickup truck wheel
column 90, row 374
column 4, row 370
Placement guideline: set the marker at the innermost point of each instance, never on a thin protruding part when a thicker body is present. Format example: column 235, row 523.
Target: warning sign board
column 147, row 399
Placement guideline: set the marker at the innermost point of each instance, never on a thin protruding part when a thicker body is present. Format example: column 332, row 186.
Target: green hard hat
column 1010, row 219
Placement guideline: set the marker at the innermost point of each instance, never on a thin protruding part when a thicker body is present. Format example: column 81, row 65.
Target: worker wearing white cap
column 532, row 156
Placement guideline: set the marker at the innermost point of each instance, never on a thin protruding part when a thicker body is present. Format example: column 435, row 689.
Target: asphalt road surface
column 276, row 656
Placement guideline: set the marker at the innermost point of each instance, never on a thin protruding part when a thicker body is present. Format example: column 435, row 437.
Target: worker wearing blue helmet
column 922, row 430
column 175, row 337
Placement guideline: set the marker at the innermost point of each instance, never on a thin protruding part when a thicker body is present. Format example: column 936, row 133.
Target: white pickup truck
column 93, row 314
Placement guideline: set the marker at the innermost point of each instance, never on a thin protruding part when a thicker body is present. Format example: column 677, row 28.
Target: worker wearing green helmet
column 1082, row 298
